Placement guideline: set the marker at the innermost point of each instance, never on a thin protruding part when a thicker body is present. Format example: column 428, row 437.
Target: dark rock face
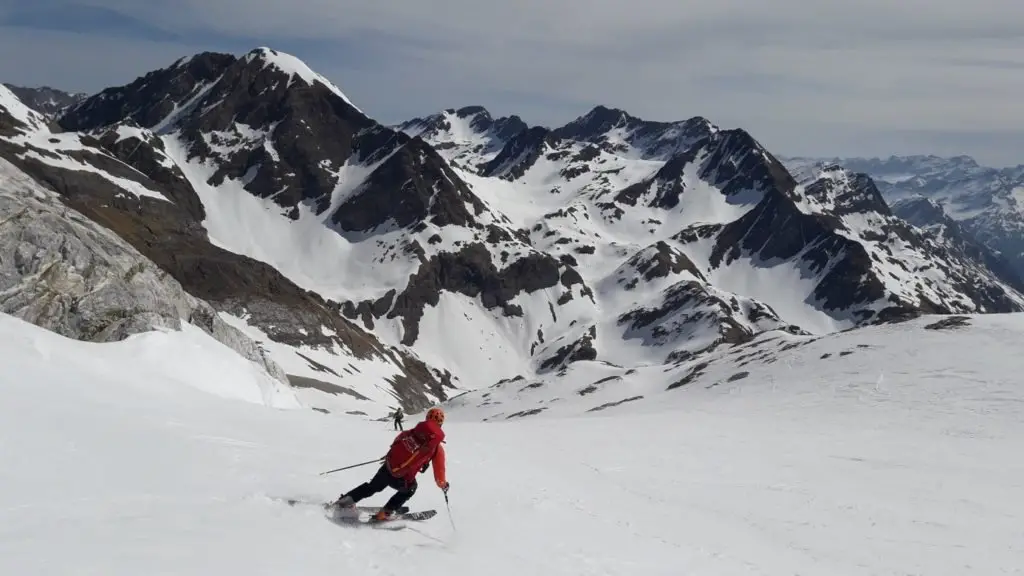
column 145, row 153
column 849, row 263
column 777, row 230
column 850, row 194
column 579, row 350
column 659, row 261
column 731, row 161
column 304, row 134
column 150, row 99
column 1002, row 235
column 299, row 134
column 519, row 154
column 608, row 405
column 738, row 163
column 414, row 185
column 690, row 310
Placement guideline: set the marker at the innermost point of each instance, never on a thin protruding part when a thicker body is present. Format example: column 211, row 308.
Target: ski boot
column 345, row 507
column 382, row 515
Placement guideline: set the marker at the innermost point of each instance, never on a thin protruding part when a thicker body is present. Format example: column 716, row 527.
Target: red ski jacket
column 413, row 448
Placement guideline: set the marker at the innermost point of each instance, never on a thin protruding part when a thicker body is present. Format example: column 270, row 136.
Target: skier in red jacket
column 412, row 452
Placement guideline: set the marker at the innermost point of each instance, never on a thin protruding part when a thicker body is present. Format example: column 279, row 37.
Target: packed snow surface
column 118, row 463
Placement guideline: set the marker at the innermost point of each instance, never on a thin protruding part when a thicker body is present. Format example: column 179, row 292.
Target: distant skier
column 412, row 452
column 398, row 419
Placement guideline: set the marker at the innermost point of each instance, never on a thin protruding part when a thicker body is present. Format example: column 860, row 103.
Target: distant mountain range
column 373, row 265
column 987, row 202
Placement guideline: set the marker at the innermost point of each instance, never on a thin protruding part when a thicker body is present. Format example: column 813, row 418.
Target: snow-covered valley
column 899, row 458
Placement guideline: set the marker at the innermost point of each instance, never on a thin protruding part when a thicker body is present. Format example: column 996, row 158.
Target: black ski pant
column 381, row 480
column 398, row 425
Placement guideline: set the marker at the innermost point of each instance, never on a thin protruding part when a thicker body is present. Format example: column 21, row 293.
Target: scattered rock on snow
column 951, row 323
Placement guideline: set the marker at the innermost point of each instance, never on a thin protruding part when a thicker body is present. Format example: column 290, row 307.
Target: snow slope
column 826, row 469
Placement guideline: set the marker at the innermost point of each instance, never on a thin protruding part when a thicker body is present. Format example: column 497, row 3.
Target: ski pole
column 449, row 506
column 352, row 466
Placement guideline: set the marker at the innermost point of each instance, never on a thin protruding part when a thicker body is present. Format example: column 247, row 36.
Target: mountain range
column 371, row 265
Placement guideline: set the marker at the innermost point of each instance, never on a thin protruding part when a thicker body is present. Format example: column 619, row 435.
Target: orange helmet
column 437, row 415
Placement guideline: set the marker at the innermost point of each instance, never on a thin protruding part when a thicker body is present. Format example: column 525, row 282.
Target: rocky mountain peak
column 595, row 123
column 468, row 111
column 467, row 137
column 845, row 192
column 50, row 102
column 294, row 69
column 618, row 132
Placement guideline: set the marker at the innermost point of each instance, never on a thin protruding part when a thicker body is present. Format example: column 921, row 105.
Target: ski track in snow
column 909, row 469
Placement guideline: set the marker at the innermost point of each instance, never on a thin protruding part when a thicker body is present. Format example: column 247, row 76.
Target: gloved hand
column 443, row 486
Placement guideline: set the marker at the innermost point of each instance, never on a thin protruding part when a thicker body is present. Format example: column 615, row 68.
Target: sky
column 804, row 77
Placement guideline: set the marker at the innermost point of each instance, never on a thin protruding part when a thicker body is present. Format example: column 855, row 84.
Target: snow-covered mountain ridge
column 460, row 250
column 124, row 179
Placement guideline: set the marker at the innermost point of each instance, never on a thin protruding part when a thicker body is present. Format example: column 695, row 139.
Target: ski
column 329, row 505
column 354, row 514
column 417, row 516
column 396, row 522
column 414, row 516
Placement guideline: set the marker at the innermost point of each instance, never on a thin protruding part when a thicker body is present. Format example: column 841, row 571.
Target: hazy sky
column 821, row 77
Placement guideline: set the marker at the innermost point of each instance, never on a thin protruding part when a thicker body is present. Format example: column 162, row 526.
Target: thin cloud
column 840, row 77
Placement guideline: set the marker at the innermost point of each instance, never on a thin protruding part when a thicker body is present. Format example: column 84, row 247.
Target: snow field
column 829, row 471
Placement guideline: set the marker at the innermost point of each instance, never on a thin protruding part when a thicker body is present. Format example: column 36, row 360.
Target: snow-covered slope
column 867, row 372
column 808, row 465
